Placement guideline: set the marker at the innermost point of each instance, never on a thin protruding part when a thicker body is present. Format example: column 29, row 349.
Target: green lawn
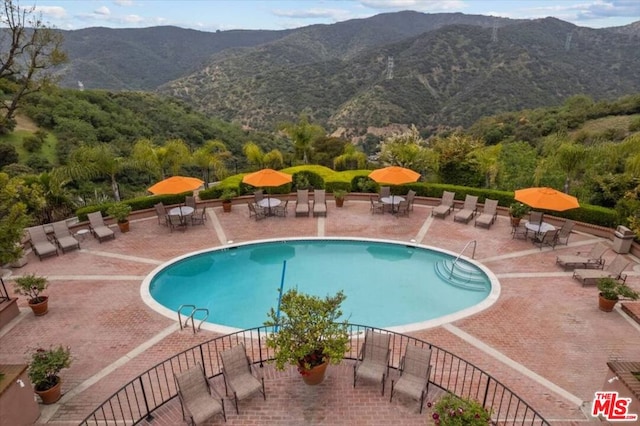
column 48, row 150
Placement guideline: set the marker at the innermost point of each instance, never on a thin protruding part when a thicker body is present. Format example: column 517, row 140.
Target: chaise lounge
column 613, row 270
column 446, row 205
column 40, row 243
column 466, row 213
column 592, row 260
column 98, row 228
column 489, row 214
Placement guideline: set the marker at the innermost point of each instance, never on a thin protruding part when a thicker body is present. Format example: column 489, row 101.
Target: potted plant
column 339, row 195
column 452, row 410
column 517, row 211
column 32, row 285
column 226, row 197
column 120, row 212
column 44, row 369
column 307, row 333
column 611, row 290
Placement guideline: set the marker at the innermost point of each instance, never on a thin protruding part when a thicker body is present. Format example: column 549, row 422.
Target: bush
column 45, row 366
column 139, row 203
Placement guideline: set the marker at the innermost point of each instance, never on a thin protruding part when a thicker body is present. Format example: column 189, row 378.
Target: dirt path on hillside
column 25, row 123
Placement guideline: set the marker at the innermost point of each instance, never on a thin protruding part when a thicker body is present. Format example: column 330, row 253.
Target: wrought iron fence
column 138, row 399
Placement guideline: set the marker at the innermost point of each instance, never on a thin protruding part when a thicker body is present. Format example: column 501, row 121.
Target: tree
column 209, row 157
column 8, row 154
column 487, row 158
column 30, row 51
column 257, row 158
column 351, row 159
column 303, row 134
column 408, row 150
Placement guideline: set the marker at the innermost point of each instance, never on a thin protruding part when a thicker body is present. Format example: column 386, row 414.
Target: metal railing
column 138, row 399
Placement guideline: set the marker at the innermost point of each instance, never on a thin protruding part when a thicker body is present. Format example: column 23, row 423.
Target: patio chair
column 446, row 205
column 319, row 203
column 548, row 238
column 565, row 232
column 40, row 243
column 256, row 211
column 488, row 215
column 377, row 206
column 415, row 367
column 302, row 203
column 282, row 209
column 411, row 195
column 258, row 196
column 63, row 237
column 161, row 212
column 385, row 191
column 199, row 216
column 239, row 376
column 373, row 360
column 200, row 402
column 468, row 211
column 403, row 208
column 98, row 228
column 536, row 217
column 176, row 221
column 591, row 260
column 613, row 270
column 190, row 201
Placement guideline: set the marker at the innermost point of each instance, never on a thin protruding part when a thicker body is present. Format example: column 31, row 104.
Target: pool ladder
column 194, row 309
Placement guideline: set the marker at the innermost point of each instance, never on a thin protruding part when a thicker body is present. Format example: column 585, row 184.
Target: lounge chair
column 199, row 400
column 40, row 243
column 373, row 359
column 565, row 232
column 446, row 205
column 256, row 211
column 98, row 228
column 415, row 367
column 592, row 260
column 176, row 221
column 613, row 270
column 468, row 211
column 548, row 238
column 319, row 203
column 377, row 206
column 302, row 203
column 63, row 237
column 488, row 215
column 239, row 376
column 161, row 212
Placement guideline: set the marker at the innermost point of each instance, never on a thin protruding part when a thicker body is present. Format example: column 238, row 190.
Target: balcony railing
column 138, row 399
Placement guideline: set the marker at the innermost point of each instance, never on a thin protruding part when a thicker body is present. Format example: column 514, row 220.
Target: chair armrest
column 257, row 372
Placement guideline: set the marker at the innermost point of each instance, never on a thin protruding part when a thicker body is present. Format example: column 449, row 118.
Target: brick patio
column 544, row 338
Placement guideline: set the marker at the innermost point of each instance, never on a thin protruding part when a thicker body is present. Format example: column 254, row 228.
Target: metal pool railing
column 138, row 399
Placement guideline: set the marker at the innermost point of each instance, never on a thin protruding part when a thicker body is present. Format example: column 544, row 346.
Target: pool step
column 461, row 274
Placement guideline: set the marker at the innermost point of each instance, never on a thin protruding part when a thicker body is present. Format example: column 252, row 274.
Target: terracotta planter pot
column 339, row 202
column 606, row 305
column 226, row 206
column 515, row 221
column 41, row 308
column 51, row 395
column 315, row 375
column 124, row 226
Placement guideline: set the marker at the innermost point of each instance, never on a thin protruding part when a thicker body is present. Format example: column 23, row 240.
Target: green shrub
column 453, row 411
column 138, row 203
column 307, row 179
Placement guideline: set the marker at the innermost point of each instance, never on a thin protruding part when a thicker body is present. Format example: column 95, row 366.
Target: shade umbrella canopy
column 546, row 199
column 176, row 185
column 394, row 175
column 266, row 178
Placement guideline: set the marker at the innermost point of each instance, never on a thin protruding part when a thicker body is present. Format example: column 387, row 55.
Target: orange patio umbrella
column 176, row 185
column 546, row 199
column 394, row 175
column 266, row 178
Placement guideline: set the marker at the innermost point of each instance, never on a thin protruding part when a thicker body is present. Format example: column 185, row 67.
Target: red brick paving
column 550, row 325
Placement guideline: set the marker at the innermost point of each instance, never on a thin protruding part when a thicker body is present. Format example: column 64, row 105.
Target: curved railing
column 138, row 399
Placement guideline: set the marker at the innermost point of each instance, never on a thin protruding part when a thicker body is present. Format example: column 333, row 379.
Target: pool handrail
column 138, row 399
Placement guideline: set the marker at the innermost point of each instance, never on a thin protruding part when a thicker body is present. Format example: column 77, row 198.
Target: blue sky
column 212, row 15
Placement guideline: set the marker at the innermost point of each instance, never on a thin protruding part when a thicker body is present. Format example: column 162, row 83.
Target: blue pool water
column 387, row 285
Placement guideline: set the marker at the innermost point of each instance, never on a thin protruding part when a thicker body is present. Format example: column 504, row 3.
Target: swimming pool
column 388, row 284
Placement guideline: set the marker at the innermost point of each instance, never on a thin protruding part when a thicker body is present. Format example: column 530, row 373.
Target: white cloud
column 124, row 3
column 422, row 5
column 102, row 11
column 52, row 11
column 132, row 19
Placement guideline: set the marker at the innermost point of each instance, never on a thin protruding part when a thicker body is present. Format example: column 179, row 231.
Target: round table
column 269, row 202
column 181, row 211
column 394, row 200
column 82, row 234
column 539, row 228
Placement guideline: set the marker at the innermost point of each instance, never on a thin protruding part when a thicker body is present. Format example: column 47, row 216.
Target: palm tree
column 303, row 134
column 211, row 156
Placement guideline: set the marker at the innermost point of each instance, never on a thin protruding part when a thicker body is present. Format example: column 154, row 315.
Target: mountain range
column 432, row 70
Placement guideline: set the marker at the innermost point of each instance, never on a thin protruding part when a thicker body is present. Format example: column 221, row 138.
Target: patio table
column 393, row 200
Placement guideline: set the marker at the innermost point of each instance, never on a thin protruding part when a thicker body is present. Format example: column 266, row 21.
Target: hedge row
column 139, row 203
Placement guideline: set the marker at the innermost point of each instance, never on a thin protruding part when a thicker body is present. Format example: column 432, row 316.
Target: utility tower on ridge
column 494, row 33
column 567, row 43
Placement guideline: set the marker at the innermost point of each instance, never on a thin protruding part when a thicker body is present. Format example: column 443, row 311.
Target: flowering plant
column 518, row 210
column 453, row 411
column 45, row 366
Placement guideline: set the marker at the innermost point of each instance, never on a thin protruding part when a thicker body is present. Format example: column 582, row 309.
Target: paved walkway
column 544, row 338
